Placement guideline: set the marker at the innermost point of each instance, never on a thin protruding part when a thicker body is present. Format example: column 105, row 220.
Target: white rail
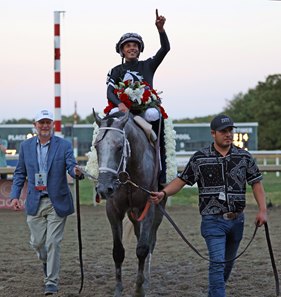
column 268, row 161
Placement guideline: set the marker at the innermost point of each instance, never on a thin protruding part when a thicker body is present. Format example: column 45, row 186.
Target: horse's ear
column 96, row 118
column 126, row 117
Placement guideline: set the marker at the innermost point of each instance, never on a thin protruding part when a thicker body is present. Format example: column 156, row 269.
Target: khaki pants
column 46, row 229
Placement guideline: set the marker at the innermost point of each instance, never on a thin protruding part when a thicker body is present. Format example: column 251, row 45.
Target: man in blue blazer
column 44, row 161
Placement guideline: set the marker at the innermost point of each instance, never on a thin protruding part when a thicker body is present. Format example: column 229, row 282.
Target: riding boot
column 162, row 173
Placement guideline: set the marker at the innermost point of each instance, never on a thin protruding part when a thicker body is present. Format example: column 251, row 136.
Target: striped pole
column 57, row 119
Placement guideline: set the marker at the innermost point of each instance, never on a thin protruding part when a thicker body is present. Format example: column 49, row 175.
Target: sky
column 219, row 48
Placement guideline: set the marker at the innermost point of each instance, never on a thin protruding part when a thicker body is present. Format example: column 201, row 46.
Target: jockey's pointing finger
column 157, row 13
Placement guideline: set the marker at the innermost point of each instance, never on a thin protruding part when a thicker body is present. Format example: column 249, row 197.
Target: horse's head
column 112, row 151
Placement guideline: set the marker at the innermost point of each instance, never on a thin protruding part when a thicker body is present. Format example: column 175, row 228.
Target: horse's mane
column 111, row 117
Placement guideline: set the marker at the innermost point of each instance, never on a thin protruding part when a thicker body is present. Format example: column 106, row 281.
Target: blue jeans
column 222, row 238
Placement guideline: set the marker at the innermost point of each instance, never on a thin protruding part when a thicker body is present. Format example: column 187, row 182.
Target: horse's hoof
column 139, row 292
column 118, row 290
column 140, row 281
column 117, row 293
column 146, row 284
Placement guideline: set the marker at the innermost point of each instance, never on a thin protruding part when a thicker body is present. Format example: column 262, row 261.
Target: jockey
column 132, row 70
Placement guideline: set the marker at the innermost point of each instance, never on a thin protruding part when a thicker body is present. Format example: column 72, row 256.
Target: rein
column 155, row 177
column 156, row 172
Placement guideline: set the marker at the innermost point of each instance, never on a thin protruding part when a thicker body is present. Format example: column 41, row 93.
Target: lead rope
column 79, row 231
column 164, row 212
column 194, row 249
column 277, row 286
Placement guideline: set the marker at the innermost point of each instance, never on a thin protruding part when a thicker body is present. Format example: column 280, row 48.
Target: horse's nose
column 104, row 190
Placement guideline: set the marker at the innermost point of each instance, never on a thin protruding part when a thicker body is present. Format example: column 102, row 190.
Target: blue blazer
column 60, row 161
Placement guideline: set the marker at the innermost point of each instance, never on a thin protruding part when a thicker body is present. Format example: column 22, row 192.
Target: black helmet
column 127, row 38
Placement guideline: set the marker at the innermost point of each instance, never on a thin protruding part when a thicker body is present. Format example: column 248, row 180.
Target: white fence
column 268, row 161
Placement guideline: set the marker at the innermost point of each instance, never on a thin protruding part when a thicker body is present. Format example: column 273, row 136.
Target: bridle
column 123, row 176
column 126, row 153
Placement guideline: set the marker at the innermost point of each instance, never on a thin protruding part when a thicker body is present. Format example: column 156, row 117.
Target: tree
column 15, row 121
column 263, row 105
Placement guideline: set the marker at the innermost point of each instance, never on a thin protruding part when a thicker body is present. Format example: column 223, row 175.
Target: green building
column 189, row 137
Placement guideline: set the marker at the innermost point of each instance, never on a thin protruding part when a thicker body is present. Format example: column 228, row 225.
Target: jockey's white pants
column 151, row 114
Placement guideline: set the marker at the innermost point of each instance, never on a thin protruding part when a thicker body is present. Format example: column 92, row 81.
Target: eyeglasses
column 45, row 122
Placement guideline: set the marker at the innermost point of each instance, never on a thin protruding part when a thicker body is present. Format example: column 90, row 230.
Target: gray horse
column 123, row 148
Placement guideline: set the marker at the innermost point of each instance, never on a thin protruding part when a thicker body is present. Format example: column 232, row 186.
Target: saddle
column 147, row 128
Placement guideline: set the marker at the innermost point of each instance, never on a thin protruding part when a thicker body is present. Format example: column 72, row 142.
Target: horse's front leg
column 118, row 251
column 142, row 252
column 118, row 257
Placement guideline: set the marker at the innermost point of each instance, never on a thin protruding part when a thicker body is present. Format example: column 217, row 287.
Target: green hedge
column 188, row 196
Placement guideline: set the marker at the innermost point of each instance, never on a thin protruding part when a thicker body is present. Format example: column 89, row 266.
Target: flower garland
column 170, row 145
column 92, row 166
column 137, row 96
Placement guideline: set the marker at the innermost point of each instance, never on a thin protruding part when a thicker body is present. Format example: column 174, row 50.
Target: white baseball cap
column 44, row 114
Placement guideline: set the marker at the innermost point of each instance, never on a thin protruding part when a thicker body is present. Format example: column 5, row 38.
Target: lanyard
column 42, row 151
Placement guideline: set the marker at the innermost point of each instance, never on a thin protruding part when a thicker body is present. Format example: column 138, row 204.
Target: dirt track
column 176, row 270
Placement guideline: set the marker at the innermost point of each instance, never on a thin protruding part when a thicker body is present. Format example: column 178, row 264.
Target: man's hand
column 160, row 21
column 156, row 197
column 77, row 171
column 16, row 204
column 122, row 107
column 261, row 218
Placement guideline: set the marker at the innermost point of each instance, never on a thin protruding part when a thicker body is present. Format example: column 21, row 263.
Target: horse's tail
column 128, row 230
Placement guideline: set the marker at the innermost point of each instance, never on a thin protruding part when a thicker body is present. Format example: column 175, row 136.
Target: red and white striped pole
column 57, row 119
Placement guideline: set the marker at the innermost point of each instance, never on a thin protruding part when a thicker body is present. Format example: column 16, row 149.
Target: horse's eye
column 119, row 148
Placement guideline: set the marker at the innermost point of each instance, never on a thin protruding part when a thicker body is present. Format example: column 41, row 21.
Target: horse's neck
column 136, row 136
column 142, row 152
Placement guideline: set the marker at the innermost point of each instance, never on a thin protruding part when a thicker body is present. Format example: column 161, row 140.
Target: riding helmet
column 129, row 37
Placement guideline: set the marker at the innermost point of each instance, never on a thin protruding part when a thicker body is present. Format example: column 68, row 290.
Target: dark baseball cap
column 221, row 122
